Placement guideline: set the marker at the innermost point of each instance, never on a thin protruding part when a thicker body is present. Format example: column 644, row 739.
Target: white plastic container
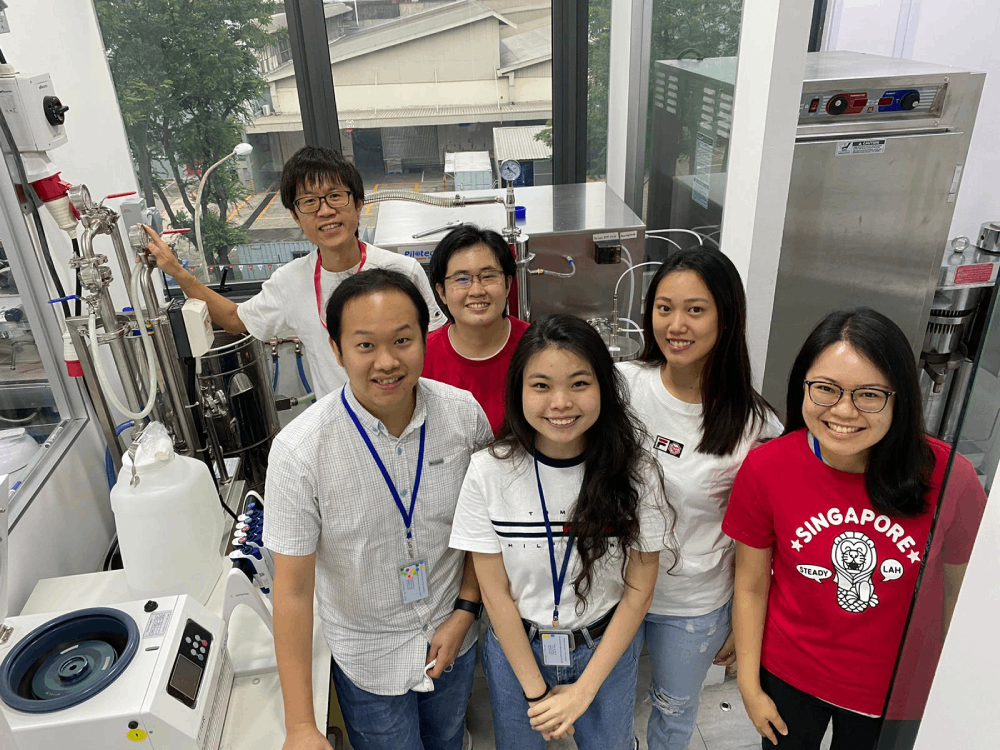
column 169, row 524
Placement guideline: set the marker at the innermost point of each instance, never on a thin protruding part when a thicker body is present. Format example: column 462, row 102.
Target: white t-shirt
column 698, row 487
column 287, row 303
column 499, row 511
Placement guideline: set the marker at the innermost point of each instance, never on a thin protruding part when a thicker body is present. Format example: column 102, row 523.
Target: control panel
column 189, row 666
column 918, row 101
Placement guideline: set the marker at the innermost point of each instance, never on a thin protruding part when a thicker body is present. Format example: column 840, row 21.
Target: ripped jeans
column 681, row 650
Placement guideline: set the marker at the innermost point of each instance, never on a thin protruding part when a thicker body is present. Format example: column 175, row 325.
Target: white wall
column 962, row 33
column 62, row 38
column 961, row 709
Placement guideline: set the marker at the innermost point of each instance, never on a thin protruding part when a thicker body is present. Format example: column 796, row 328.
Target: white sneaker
column 467, row 740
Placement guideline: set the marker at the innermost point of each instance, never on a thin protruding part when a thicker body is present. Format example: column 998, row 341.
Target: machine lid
column 68, row 660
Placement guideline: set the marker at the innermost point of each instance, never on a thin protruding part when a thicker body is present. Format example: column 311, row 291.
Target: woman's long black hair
column 730, row 405
column 900, row 464
column 617, row 468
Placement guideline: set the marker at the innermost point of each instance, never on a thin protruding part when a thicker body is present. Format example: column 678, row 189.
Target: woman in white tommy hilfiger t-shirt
column 565, row 516
column 692, row 389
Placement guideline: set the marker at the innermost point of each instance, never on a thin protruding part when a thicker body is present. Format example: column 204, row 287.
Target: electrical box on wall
column 608, row 251
column 33, row 112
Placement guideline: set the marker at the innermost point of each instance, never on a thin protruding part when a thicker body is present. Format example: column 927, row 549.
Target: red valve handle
column 120, row 195
column 176, row 231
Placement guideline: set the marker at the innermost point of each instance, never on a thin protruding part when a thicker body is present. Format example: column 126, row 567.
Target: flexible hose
column 274, row 380
column 631, row 279
column 634, row 329
column 665, row 239
column 406, row 195
column 698, row 236
column 109, row 464
column 140, row 320
column 545, row 272
column 302, row 378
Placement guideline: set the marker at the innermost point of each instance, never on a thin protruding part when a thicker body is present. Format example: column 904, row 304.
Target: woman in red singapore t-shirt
column 831, row 522
column 471, row 271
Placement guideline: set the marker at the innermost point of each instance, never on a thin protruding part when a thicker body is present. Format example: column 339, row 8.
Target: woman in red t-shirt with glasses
column 471, row 272
column 831, row 522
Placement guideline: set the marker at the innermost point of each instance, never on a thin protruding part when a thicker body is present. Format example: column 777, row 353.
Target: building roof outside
column 526, row 48
column 399, row 31
column 280, row 21
column 411, row 116
column 519, row 143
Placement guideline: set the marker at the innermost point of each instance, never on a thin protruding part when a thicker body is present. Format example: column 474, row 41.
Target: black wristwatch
column 475, row 608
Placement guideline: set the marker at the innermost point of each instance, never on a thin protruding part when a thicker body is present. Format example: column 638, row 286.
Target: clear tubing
column 150, row 361
column 665, row 239
column 697, row 236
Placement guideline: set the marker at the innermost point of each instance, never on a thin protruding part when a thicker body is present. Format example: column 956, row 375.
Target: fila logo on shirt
column 666, row 445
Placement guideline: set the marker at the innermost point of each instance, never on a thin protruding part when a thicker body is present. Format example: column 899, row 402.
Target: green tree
column 187, row 77
column 680, row 28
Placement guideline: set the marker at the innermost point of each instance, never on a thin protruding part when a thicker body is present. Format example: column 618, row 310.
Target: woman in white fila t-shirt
column 692, row 388
column 565, row 516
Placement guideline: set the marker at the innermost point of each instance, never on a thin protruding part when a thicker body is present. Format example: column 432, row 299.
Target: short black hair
column 462, row 238
column 371, row 282
column 315, row 164
column 900, row 464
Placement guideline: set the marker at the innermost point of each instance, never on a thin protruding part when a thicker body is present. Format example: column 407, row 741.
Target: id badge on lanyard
column 557, row 643
column 413, row 573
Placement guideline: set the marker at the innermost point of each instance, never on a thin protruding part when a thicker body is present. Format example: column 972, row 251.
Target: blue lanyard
column 557, row 579
column 407, row 515
column 814, row 444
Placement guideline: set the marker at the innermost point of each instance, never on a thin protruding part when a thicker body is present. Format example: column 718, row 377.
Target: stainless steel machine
column 879, row 152
column 581, row 231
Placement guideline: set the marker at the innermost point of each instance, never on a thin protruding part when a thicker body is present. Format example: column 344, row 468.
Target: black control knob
column 55, row 110
column 837, row 105
column 910, row 100
column 149, row 606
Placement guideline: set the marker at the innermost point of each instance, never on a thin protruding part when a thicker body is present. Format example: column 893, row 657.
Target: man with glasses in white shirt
column 324, row 194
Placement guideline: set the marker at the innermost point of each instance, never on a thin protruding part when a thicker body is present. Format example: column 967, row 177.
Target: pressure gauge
column 79, row 196
column 510, row 170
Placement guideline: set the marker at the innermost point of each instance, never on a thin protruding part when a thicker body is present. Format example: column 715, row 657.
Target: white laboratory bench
column 255, row 707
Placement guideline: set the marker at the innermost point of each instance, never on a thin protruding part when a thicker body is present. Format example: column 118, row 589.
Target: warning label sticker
column 980, row 273
column 853, row 148
column 157, row 625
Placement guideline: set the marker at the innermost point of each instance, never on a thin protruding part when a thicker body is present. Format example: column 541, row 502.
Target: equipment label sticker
column 628, row 235
column 853, row 148
column 605, row 236
column 158, row 624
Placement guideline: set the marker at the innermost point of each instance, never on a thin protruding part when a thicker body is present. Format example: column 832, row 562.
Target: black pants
column 807, row 718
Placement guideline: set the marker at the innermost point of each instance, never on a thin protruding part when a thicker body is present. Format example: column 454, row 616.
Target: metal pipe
column 123, row 259
column 166, row 358
column 523, row 260
column 458, row 201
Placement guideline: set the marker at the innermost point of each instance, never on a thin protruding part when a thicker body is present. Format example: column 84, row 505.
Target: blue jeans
column 606, row 725
column 412, row 721
column 681, row 649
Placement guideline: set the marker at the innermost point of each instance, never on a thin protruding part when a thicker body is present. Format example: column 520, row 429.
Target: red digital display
column 813, row 105
column 856, row 103
column 885, row 101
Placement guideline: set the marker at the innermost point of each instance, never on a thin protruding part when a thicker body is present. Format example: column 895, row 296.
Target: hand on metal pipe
column 166, row 259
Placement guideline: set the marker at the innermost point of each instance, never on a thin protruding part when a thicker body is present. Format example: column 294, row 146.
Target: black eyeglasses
column 486, row 278
column 335, row 199
column 868, row 400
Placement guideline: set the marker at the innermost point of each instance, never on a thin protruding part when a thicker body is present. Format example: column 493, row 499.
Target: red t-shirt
column 843, row 574
column 483, row 378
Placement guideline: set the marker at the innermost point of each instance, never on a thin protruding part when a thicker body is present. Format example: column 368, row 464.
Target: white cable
column 638, row 265
column 636, row 329
column 150, row 360
column 665, row 239
column 631, row 280
column 654, row 232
